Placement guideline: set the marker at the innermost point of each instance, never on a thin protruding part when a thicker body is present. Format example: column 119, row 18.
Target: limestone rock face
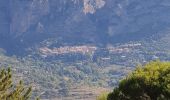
column 82, row 21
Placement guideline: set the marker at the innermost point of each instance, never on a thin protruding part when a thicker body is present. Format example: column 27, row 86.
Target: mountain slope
column 101, row 22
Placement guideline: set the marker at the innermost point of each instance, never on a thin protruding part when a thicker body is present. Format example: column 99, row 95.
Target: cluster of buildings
column 68, row 49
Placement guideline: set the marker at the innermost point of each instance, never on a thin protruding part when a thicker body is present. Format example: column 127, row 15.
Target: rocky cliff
column 27, row 22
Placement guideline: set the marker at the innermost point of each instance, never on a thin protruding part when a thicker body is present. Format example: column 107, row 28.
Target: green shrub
column 150, row 82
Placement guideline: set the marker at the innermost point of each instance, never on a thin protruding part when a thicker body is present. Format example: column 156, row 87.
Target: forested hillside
column 64, row 80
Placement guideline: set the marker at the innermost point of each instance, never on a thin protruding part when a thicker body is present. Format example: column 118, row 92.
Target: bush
column 150, row 82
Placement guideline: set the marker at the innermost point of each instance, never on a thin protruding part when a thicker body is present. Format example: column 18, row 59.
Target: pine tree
column 8, row 91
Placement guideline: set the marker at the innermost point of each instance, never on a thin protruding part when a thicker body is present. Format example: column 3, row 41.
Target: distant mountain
column 25, row 23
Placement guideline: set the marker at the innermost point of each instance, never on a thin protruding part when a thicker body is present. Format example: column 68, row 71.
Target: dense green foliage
column 151, row 82
column 10, row 92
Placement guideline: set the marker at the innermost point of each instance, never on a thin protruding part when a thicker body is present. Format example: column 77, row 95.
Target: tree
column 150, row 82
column 10, row 92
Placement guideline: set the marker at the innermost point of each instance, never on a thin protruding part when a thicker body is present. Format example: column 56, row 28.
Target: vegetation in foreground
column 9, row 91
column 150, row 82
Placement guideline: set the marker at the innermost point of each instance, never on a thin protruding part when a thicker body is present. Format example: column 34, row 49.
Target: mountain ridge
column 100, row 22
